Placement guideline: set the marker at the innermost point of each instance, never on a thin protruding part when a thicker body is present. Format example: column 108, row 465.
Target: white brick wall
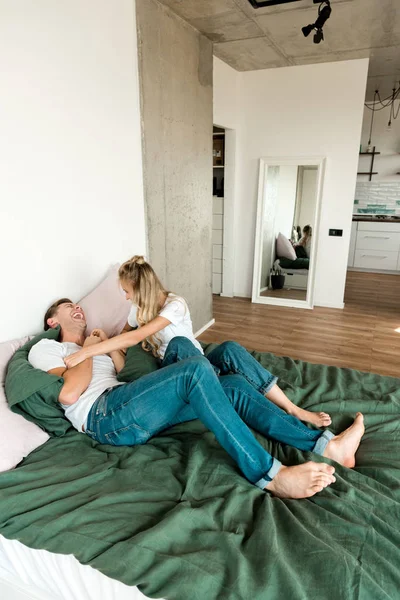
column 378, row 197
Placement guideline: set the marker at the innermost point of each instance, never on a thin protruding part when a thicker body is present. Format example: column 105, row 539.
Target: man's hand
column 92, row 339
column 100, row 333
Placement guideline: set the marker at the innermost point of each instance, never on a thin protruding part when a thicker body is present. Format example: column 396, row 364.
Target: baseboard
column 241, row 296
column 379, row 271
column 338, row 306
column 203, row 329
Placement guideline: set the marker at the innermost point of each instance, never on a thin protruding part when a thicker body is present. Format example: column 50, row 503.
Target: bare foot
column 343, row 447
column 319, row 419
column 301, row 481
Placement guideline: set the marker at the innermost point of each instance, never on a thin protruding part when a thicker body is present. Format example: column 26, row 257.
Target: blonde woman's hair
column 147, row 292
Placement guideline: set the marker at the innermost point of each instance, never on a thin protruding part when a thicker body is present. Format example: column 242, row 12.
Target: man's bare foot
column 343, row 447
column 301, row 481
column 319, row 419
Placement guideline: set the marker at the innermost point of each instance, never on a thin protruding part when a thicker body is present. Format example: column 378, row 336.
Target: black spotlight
column 324, row 12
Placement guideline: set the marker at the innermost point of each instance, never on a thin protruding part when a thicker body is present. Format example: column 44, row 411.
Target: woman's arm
column 117, row 356
column 119, row 342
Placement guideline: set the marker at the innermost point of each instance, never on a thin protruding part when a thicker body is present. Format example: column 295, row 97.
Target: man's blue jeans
column 132, row 413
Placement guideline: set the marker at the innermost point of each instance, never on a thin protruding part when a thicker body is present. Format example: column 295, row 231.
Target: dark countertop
column 375, row 219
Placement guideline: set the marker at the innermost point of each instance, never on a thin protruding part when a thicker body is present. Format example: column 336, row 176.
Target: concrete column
column 175, row 68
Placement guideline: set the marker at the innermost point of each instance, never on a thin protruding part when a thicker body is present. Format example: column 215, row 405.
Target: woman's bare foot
column 301, row 481
column 343, row 447
column 319, row 419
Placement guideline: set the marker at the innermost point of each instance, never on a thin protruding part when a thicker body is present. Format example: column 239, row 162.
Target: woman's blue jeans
column 132, row 413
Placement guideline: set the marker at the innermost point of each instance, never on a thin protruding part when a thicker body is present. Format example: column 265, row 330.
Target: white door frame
column 228, row 256
column 318, row 161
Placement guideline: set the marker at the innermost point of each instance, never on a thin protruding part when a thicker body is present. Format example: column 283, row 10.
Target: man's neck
column 75, row 336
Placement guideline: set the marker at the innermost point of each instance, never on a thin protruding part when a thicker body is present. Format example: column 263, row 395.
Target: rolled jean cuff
column 276, row 465
column 268, row 385
column 323, row 441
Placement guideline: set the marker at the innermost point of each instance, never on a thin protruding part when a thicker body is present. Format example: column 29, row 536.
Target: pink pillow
column 106, row 307
column 284, row 248
column 18, row 437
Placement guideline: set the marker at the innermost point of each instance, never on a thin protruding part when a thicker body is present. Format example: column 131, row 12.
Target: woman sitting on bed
column 303, row 248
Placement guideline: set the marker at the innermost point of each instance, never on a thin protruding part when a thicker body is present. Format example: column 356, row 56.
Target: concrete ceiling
column 264, row 38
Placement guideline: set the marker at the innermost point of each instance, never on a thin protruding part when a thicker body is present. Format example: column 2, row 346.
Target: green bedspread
column 177, row 518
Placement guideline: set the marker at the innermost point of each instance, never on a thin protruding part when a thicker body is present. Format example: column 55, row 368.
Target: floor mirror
column 286, row 240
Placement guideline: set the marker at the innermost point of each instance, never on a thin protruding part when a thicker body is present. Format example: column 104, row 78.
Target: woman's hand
column 75, row 359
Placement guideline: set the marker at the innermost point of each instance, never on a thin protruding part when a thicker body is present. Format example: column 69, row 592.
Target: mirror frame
column 273, row 161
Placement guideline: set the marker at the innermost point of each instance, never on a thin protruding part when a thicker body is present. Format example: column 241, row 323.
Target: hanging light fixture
column 379, row 104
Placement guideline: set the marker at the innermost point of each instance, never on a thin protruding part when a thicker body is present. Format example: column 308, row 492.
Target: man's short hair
column 52, row 310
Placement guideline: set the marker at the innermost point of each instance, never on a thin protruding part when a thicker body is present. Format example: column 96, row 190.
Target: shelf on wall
column 372, row 156
column 218, row 166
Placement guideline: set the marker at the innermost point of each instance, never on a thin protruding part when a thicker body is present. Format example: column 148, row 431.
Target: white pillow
column 18, row 437
column 106, row 307
column 284, row 248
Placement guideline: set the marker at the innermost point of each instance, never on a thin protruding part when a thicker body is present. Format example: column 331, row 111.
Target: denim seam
column 267, row 387
column 235, row 369
column 309, row 432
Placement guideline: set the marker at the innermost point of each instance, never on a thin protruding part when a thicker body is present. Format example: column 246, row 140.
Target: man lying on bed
column 131, row 413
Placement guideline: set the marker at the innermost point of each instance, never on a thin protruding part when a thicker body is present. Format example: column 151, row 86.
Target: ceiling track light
column 324, row 12
column 262, row 3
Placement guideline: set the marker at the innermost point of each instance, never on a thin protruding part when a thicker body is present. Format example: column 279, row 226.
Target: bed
column 295, row 271
column 42, row 575
column 176, row 519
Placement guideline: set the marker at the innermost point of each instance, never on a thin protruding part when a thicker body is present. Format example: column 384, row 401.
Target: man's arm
column 76, row 381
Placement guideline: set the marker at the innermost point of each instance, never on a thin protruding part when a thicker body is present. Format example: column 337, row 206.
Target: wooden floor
column 286, row 293
column 362, row 336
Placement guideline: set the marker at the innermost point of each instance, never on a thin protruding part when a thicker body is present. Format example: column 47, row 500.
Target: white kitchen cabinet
column 376, row 259
column 378, row 240
column 375, row 246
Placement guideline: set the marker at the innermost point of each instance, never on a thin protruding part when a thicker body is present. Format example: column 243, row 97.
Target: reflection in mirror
column 287, row 209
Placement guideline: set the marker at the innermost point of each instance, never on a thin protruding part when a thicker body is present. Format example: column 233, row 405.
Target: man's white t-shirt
column 177, row 311
column 49, row 354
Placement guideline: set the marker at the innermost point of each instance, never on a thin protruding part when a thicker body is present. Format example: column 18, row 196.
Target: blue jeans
column 228, row 357
column 132, row 413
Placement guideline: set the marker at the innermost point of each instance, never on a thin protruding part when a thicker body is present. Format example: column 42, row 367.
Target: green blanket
column 177, row 518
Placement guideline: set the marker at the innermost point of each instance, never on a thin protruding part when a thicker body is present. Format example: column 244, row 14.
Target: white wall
column 307, row 197
column 70, row 151
column 225, row 95
column 312, row 110
column 387, row 142
column 287, row 189
column 225, row 114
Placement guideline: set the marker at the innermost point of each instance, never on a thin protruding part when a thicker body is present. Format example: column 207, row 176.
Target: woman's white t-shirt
column 177, row 311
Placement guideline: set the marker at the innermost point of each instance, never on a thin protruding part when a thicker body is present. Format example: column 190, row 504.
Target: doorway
column 223, row 207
